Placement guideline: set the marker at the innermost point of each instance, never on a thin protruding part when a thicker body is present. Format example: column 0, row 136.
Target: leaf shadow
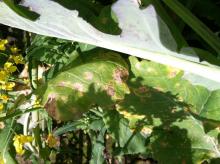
column 168, row 142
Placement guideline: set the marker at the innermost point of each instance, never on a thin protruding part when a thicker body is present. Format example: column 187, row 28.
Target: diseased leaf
column 100, row 80
column 162, row 101
column 201, row 101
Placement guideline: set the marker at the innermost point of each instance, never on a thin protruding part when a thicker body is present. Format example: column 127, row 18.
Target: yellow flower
column 3, row 76
column 4, row 98
column 37, row 104
column 4, row 41
column 1, row 106
column 8, row 86
column 18, row 59
column 2, row 47
column 8, row 66
column 14, row 50
column 2, row 44
column 51, row 141
column 2, row 160
column 19, row 141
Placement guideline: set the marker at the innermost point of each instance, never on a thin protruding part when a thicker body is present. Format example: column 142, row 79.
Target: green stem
column 34, row 74
column 189, row 5
column 8, row 138
column 19, row 113
column 199, row 27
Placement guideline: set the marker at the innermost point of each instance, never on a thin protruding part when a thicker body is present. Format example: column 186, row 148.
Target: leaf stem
column 199, row 27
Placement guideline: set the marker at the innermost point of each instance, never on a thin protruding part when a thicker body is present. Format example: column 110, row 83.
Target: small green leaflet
column 21, row 10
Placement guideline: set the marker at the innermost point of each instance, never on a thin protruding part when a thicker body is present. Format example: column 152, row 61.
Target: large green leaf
column 144, row 33
column 100, row 80
column 162, row 102
column 168, row 80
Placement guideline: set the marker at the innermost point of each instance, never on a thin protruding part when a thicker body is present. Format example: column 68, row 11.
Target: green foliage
column 168, row 79
column 51, row 50
column 21, row 10
column 128, row 142
column 103, row 106
column 99, row 80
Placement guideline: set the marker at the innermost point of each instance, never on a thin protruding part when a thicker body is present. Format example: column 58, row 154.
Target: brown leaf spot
column 78, row 87
column 120, row 75
column 50, row 106
column 172, row 72
column 88, row 75
column 61, row 84
column 110, row 91
column 142, row 89
column 142, row 92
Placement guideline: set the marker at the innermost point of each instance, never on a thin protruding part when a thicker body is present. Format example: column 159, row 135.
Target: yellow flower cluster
column 8, row 68
column 19, row 141
column 2, row 44
column 37, row 104
column 2, row 160
column 16, row 57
